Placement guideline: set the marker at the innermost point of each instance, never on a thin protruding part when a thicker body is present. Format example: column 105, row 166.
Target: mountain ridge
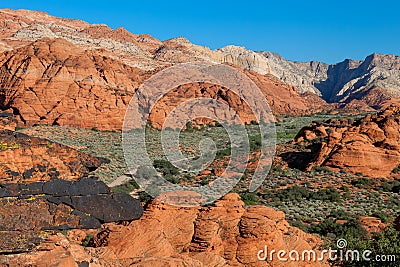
column 369, row 84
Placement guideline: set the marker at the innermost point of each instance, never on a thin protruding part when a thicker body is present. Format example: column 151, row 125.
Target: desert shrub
column 298, row 193
column 165, row 167
column 255, row 142
column 321, row 169
column 299, row 224
column 290, row 126
column 390, row 186
column 126, row 187
column 383, row 243
column 205, row 180
column 144, row 197
column 350, row 230
column 249, row 198
column 87, row 242
column 381, row 215
column 396, row 170
column 285, row 135
column 223, row 153
column 189, row 127
column 361, row 182
column 327, row 194
column 340, row 215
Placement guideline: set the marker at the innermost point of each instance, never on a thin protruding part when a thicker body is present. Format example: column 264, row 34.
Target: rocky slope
column 350, row 80
column 373, row 80
column 302, row 75
column 369, row 145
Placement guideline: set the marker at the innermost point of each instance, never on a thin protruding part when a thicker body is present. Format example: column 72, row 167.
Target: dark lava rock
column 88, row 221
column 88, row 185
column 57, row 187
column 109, row 208
column 87, row 195
column 26, row 209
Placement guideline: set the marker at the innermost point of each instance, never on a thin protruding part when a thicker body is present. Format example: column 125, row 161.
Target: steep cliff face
column 301, row 75
column 350, row 80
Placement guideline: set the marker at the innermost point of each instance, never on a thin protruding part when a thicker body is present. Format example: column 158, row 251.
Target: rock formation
column 224, row 234
column 53, row 82
column 282, row 98
column 369, row 145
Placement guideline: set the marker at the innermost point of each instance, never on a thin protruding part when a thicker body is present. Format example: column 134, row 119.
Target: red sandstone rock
column 226, row 232
column 369, row 146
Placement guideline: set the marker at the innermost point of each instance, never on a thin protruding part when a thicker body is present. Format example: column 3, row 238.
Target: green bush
column 249, row 198
column 351, row 230
column 298, row 193
column 321, row 169
column 144, row 197
column 87, row 241
column 396, row 170
column 389, row 186
column 361, row 182
column 165, row 167
column 255, row 142
column 383, row 243
column 223, row 153
column 381, row 215
column 126, row 188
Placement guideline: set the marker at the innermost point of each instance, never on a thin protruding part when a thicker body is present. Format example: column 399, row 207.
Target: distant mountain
column 374, row 80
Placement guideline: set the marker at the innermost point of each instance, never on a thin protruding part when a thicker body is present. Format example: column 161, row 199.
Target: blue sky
column 302, row 30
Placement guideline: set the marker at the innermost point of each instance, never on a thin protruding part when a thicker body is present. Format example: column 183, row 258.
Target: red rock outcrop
column 54, row 82
column 224, row 234
column 369, row 145
column 283, row 99
column 7, row 121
